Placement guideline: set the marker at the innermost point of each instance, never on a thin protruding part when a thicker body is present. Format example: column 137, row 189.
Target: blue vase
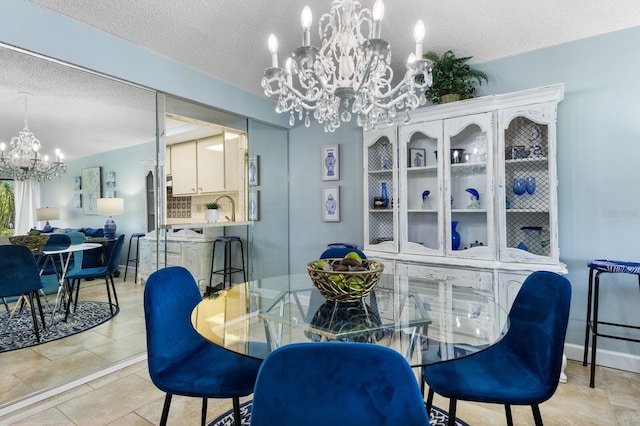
column 455, row 236
column 384, row 195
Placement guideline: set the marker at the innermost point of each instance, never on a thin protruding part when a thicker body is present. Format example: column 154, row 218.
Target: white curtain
column 27, row 199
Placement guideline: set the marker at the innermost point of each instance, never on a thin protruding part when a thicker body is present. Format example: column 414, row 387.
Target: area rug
column 19, row 333
column 438, row 417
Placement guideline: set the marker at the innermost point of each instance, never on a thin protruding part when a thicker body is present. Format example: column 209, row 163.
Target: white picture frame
column 254, row 205
column 110, row 180
column 91, row 189
column 331, row 162
column 254, row 171
column 331, row 204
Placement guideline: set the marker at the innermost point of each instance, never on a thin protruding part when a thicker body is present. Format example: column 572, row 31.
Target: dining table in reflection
column 427, row 321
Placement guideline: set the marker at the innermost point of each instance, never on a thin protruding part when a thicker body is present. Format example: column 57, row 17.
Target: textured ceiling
column 228, row 38
column 83, row 113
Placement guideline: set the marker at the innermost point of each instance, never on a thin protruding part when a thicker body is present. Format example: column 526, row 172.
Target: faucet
column 233, row 206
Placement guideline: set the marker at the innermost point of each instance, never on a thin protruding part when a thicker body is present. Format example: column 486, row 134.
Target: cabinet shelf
column 527, row 211
column 422, row 211
column 380, row 210
column 422, row 169
column 380, row 172
column 468, row 210
column 541, row 160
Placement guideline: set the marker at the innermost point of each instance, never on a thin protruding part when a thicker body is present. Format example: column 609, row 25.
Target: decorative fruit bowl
column 34, row 242
column 344, row 285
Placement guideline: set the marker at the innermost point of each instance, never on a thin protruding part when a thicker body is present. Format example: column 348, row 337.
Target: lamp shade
column 47, row 213
column 110, row 206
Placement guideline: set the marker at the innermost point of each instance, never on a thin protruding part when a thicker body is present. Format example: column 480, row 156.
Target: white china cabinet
column 467, row 191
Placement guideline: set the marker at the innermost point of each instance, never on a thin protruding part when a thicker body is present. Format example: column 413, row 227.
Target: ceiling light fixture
column 349, row 73
column 24, row 160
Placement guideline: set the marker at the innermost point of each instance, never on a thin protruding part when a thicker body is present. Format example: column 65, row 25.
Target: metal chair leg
column 507, row 411
column 165, row 410
column 236, row 411
column 452, row 411
column 537, row 418
column 203, row 419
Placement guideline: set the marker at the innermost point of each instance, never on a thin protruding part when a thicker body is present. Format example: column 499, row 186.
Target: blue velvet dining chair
column 106, row 271
column 524, row 367
column 336, row 383
column 20, row 277
column 180, row 361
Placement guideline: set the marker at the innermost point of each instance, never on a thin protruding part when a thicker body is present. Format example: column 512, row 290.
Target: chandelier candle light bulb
column 378, row 14
column 273, row 48
column 418, row 35
column 306, row 20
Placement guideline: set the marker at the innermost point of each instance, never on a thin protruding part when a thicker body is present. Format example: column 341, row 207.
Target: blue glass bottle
column 384, row 195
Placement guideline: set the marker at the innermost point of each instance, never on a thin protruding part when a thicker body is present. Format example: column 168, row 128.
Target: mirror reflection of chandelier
column 349, row 73
column 24, row 160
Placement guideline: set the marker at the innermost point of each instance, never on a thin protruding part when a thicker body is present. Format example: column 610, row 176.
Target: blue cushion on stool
column 615, row 266
column 227, row 239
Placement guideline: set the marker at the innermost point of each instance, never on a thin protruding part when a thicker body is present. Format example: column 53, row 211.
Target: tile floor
column 127, row 396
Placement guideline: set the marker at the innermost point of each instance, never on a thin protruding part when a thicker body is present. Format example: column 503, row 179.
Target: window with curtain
column 7, row 208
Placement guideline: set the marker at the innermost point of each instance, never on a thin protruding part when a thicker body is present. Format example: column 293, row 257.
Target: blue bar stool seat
column 596, row 268
column 136, row 258
column 227, row 269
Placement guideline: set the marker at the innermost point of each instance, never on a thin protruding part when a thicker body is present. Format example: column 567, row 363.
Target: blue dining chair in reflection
column 180, row 361
column 106, row 271
column 524, row 367
column 336, row 383
column 20, row 277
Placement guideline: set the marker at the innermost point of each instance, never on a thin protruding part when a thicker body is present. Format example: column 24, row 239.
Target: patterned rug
column 438, row 417
column 19, row 333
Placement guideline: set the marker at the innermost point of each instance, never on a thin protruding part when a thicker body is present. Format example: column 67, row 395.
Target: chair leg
column 165, row 410
column 594, row 329
column 507, row 411
column 203, row 420
column 44, row 324
column 587, row 328
column 236, row 412
column 429, row 402
column 113, row 286
column 33, row 316
column 452, row 411
column 537, row 418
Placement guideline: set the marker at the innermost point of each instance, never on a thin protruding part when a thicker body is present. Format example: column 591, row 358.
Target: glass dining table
column 427, row 321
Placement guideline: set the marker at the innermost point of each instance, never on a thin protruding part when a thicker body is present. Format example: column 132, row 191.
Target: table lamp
column 110, row 207
column 47, row 214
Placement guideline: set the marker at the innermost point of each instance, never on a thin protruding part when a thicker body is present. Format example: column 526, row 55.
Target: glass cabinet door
column 529, row 184
column 421, row 221
column 380, row 165
column 469, row 186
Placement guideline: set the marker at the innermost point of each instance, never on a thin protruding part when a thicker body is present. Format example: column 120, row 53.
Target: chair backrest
column 19, row 271
column 538, row 324
column 338, row 252
column 57, row 242
column 170, row 294
column 336, row 383
column 114, row 256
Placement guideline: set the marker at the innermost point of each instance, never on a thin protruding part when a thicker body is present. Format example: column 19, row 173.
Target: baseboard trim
column 41, row 396
column 605, row 358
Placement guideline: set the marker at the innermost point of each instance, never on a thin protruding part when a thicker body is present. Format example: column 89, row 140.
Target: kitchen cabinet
column 472, row 186
column 198, row 167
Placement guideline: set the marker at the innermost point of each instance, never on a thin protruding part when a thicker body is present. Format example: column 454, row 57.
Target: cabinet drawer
column 477, row 279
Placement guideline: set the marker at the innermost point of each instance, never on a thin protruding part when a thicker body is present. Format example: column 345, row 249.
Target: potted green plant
column 212, row 213
column 453, row 78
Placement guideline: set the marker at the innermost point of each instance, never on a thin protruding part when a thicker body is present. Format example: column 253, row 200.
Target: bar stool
column 135, row 259
column 227, row 270
column 601, row 266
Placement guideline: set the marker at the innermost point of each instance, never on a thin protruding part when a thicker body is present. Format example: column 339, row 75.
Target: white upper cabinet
column 471, row 183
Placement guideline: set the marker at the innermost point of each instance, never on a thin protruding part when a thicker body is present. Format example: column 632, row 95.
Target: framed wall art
column 77, row 183
column 253, row 205
column 331, row 162
column 110, row 180
column 416, row 157
column 77, row 200
column 253, row 170
column 91, row 189
column 331, row 204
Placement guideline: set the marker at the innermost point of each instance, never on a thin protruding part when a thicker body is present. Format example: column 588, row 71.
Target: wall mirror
column 96, row 122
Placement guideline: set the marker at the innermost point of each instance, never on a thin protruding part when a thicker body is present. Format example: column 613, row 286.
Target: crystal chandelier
column 24, row 161
column 350, row 74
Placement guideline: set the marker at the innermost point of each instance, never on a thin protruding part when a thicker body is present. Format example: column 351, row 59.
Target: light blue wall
column 598, row 157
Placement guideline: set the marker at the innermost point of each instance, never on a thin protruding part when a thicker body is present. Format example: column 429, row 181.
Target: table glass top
column 427, row 321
